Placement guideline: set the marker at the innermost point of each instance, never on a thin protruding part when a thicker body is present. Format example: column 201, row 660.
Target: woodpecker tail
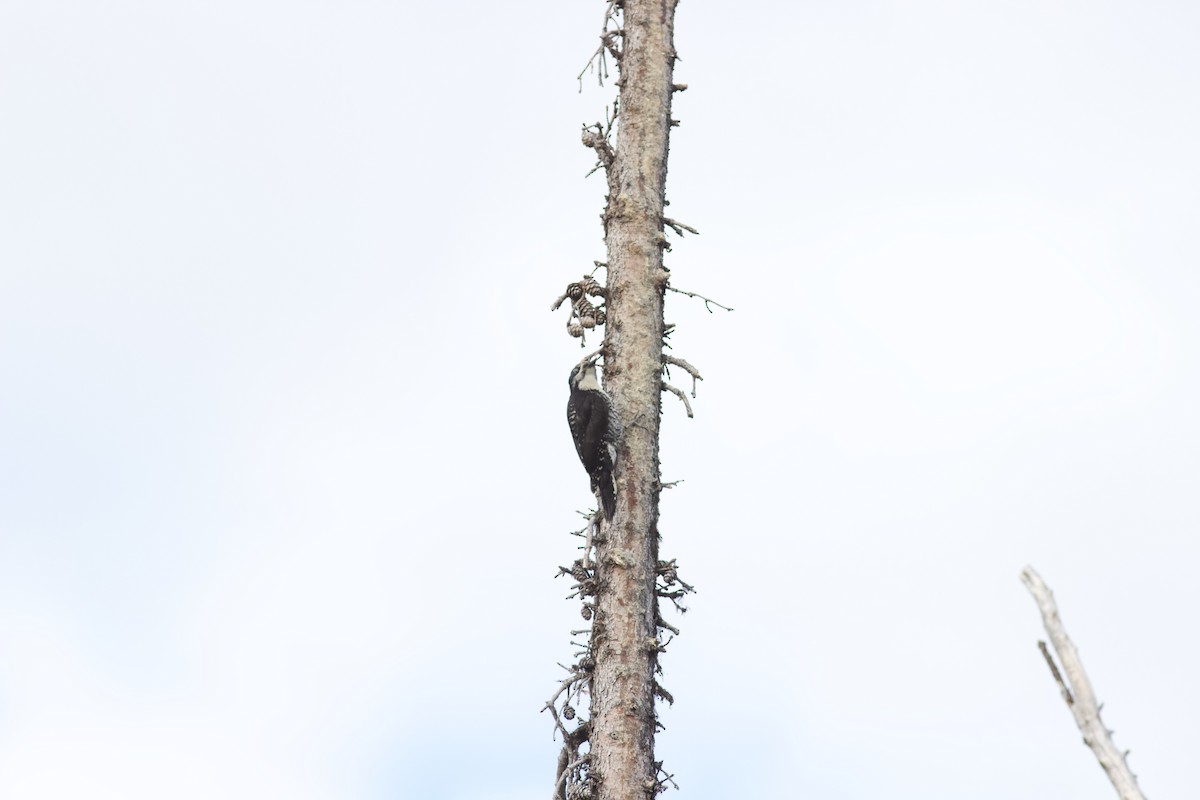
column 608, row 497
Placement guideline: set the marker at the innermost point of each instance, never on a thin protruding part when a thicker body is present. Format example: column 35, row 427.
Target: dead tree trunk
column 618, row 666
column 622, row 687
column 626, row 651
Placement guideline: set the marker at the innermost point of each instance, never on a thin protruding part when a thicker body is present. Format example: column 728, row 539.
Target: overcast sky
column 284, row 470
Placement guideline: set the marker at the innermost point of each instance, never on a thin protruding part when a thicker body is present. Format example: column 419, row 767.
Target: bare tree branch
column 587, row 543
column 679, row 227
column 575, row 677
column 559, row 785
column 606, row 44
column 595, row 138
column 686, row 367
column 707, row 301
column 679, row 362
column 1084, row 707
column 566, row 766
column 675, row 390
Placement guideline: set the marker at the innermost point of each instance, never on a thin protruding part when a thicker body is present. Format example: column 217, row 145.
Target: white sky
column 284, row 473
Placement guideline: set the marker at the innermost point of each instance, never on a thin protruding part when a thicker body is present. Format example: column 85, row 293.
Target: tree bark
column 625, row 644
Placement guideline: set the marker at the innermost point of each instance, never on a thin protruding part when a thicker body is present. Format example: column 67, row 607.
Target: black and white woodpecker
column 593, row 427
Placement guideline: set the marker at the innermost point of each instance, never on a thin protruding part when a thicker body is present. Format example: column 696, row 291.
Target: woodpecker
column 593, row 427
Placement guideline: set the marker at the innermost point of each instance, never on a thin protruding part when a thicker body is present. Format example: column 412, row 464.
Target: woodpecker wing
column 578, row 414
column 587, row 414
column 595, row 440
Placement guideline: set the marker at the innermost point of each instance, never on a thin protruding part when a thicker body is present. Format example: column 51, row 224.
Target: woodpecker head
column 583, row 377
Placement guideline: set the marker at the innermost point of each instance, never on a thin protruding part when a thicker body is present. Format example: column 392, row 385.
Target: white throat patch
column 587, row 381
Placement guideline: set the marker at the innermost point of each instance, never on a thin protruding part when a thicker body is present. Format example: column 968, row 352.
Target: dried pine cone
column 593, row 287
column 584, row 308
